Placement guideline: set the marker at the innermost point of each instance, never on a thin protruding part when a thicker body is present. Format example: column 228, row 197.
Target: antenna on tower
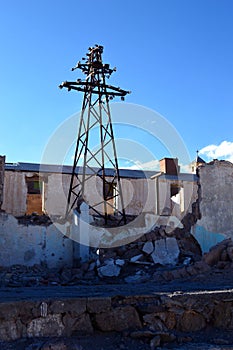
column 100, row 164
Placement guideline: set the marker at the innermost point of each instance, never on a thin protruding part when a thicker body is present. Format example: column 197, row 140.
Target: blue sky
column 176, row 56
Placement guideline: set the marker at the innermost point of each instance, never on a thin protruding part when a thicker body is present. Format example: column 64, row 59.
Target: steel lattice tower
column 96, row 125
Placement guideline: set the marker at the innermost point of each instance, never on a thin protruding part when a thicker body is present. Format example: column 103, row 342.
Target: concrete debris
column 120, row 262
column 187, row 261
column 166, row 251
column 148, row 248
column 153, row 267
column 110, row 269
column 136, row 258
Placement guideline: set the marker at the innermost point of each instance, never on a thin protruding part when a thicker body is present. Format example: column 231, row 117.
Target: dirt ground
column 110, row 341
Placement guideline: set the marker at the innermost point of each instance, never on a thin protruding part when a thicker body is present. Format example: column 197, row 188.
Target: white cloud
column 151, row 165
column 222, row 151
column 154, row 165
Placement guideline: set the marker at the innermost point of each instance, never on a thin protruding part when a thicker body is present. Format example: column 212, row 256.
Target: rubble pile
column 162, row 255
column 128, row 264
column 34, row 219
column 221, row 255
column 139, row 260
column 136, row 262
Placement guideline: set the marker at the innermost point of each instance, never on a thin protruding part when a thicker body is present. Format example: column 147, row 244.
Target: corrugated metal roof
column 67, row 169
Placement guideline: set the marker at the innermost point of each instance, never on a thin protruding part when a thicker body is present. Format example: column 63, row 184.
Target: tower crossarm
column 86, row 86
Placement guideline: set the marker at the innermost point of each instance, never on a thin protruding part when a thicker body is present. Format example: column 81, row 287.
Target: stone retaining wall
column 165, row 317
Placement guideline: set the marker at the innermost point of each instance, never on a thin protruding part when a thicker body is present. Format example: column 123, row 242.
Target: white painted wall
column 29, row 245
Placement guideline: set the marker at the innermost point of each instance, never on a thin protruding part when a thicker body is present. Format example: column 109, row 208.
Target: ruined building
column 30, row 188
column 168, row 194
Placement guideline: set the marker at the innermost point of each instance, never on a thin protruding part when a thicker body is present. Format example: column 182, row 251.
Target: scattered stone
column 167, row 337
column 187, row 261
column 130, row 253
column 166, row 251
column 155, row 342
column 214, row 255
column 154, row 322
column 136, row 258
column 120, row 262
column 109, row 270
column 92, row 266
column 142, row 334
column 148, row 248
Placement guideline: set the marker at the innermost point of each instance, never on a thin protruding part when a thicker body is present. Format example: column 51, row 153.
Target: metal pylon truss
column 98, row 183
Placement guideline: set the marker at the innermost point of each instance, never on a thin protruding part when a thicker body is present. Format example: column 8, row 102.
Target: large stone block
column 97, row 305
column 75, row 307
column 109, row 270
column 154, row 323
column 192, row 321
column 119, row 319
column 10, row 330
column 49, row 326
column 82, row 325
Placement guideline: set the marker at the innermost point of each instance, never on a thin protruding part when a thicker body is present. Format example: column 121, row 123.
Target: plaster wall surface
column 190, row 195
column 29, row 245
column 55, row 195
column 2, row 171
column 216, row 205
column 15, row 193
column 139, row 195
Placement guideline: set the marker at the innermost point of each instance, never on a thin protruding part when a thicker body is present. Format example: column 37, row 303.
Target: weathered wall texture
column 216, row 204
column 15, row 193
column 2, row 171
column 188, row 195
column 55, row 194
column 29, row 245
column 139, row 195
